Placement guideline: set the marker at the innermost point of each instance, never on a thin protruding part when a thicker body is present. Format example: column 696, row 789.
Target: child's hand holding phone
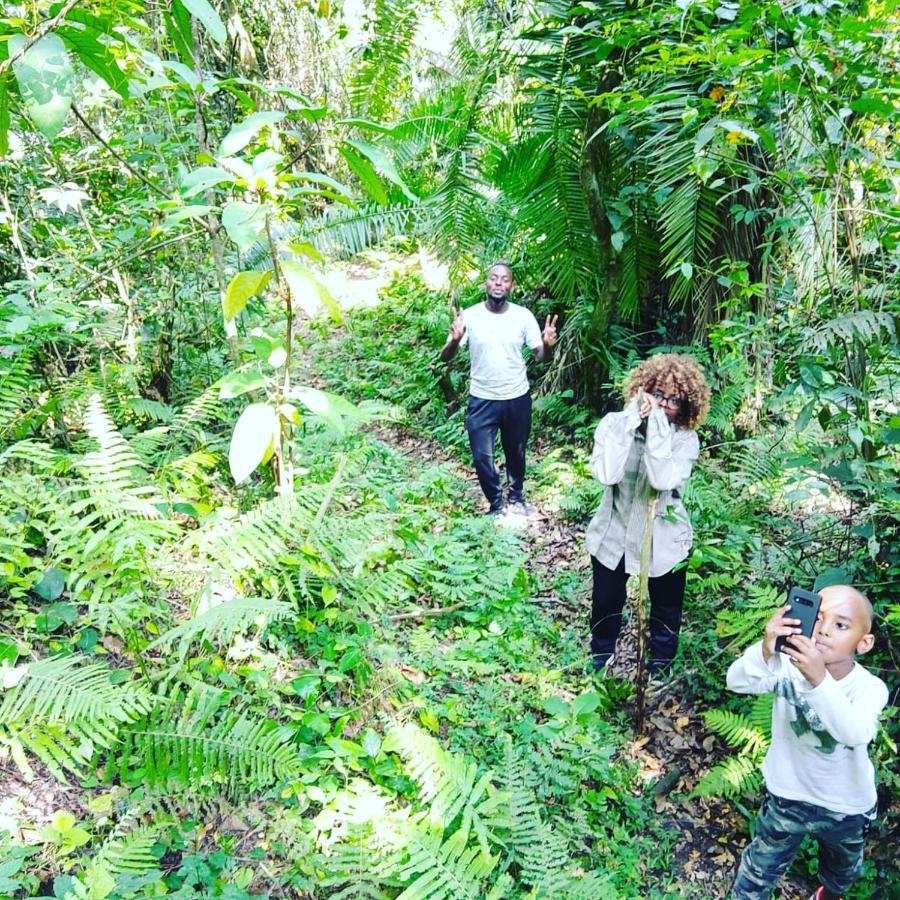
column 781, row 625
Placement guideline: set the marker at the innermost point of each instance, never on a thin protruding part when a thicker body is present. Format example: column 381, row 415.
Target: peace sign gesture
column 548, row 335
column 457, row 328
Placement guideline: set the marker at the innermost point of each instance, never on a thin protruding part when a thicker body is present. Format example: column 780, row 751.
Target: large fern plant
column 749, row 734
column 465, row 836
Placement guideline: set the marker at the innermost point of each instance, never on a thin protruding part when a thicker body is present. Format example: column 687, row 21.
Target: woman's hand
column 646, row 403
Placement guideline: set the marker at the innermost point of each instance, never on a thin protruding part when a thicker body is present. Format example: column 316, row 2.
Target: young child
column 649, row 447
column 818, row 775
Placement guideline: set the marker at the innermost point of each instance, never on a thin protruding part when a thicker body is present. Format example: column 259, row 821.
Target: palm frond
column 865, row 325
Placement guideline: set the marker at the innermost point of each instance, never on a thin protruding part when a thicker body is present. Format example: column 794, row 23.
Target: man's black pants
column 513, row 419
column 608, row 600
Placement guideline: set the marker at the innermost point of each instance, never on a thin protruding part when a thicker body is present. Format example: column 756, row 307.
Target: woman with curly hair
column 650, row 446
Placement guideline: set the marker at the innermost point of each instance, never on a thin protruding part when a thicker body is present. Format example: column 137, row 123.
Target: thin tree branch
column 143, row 251
column 426, row 613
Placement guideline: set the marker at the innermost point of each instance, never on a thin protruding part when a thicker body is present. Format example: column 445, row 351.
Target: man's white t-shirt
column 495, row 347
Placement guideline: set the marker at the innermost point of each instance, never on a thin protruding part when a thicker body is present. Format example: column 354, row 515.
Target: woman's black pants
column 608, row 600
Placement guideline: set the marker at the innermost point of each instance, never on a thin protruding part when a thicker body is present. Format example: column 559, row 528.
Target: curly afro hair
column 690, row 384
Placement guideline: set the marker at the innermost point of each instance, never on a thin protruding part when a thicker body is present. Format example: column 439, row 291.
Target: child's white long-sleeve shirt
column 820, row 735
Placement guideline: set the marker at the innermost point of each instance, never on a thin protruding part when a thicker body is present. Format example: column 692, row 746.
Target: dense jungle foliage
column 255, row 638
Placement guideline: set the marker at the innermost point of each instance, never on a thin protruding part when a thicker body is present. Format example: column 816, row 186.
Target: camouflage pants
column 780, row 827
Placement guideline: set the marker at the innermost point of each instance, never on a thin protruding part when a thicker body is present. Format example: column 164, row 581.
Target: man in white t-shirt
column 495, row 332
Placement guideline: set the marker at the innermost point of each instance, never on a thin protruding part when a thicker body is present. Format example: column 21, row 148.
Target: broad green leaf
column 741, row 128
column 51, row 585
column 46, row 81
column 240, row 289
column 184, row 72
column 9, row 652
column 585, row 703
column 238, row 383
column 869, row 104
column 323, row 180
column 203, row 178
column 178, row 25
column 302, row 106
column 371, row 742
column 305, row 248
column 555, row 706
column 687, row 270
column 382, row 164
column 96, row 56
column 180, row 213
column 365, row 172
column 204, row 13
column 308, row 291
column 254, row 435
column 366, row 125
column 244, row 222
column 834, row 129
column 326, row 406
column 246, row 130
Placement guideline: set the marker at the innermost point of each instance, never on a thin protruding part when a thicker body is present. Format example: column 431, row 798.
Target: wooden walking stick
column 640, row 678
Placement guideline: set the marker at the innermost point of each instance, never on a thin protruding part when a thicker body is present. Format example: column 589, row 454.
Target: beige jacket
column 634, row 467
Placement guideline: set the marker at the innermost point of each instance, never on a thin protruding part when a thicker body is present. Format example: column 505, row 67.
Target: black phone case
column 805, row 607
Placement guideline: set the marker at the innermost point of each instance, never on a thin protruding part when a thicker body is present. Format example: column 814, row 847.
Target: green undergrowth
column 767, row 513
column 356, row 690
column 243, row 698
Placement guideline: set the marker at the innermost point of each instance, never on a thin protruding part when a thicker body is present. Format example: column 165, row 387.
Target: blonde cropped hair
column 690, row 384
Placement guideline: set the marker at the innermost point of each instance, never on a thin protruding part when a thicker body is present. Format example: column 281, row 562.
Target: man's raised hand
column 548, row 335
column 457, row 328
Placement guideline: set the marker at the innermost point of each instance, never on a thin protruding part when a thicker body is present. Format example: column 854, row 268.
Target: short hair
column 690, row 382
column 501, row 264
column 864, row 602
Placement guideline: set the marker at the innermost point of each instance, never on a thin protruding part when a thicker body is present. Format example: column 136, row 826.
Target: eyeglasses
column 663, row 400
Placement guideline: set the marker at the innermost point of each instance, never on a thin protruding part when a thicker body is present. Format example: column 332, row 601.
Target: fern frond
column 760, row 714
column 257, row 540
column 448, row 869
column 179, row 749
column 219, row 624
column 736, row 730
column 111, row 471
column 16, row 389
column 188, row 424
column 343, row 232
column 62, row 710
column 448, row 783
column 353, row 867
column 120, row 854
column 383, row 73
column 68, row 689
column 733, row 777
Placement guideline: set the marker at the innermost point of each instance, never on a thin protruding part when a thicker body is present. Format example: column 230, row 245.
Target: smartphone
column 805, row 607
